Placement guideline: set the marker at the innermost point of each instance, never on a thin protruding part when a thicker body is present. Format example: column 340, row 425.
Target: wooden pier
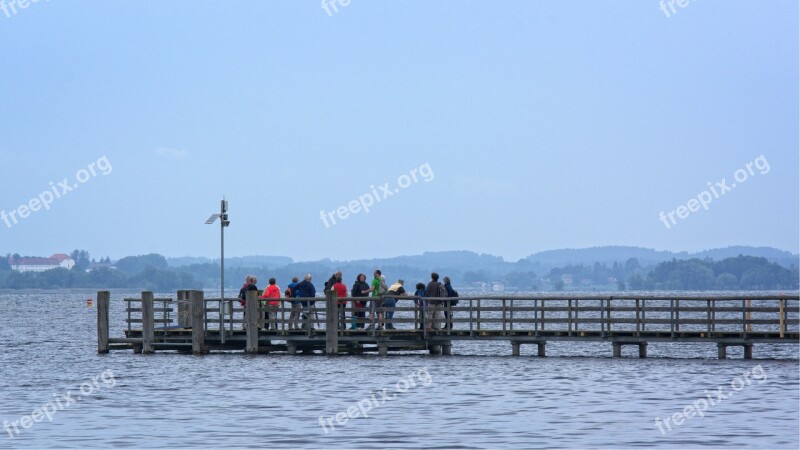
column 191, row 323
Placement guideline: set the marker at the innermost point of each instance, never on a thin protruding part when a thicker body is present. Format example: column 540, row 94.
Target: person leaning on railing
column 391, row 302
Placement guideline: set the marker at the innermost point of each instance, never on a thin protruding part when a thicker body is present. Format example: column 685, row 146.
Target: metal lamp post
column 223, row 223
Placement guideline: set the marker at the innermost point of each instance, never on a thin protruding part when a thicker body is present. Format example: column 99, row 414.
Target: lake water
column 480, row 397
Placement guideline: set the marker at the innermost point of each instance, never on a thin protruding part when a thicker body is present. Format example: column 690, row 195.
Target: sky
column 500, row 127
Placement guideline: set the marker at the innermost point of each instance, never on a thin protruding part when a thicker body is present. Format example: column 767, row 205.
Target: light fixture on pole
column 223, row 222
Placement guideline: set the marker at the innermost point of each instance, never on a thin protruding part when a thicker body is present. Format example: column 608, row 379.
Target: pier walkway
column 191, row 323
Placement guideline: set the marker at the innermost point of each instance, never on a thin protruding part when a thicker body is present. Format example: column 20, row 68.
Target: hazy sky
column 536, row 124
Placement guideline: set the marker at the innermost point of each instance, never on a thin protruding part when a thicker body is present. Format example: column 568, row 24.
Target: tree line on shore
column 152, row 272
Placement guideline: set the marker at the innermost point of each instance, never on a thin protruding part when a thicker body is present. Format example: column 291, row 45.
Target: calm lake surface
column 577, row 397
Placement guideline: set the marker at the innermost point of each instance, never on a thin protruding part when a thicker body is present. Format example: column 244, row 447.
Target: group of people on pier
column 379, row 301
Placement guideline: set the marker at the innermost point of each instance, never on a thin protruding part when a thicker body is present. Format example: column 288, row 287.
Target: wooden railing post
column 746, row 318
column 602, row 319
column 644, row 314
column 503, row 314
column 103, row 300
column 478, row 313
column 148, row 327
column 511, row 316
column 331, row 323
column 184, row 309
column 541, row 320
column 252, row 316
column 672, row 317
column 198, row 322
column 782, row 320
column 569, row 317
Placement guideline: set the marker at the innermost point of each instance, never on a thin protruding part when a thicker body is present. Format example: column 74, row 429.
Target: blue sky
column 546, row 125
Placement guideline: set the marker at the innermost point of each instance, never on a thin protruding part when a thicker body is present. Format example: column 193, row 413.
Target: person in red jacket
column 341, row 292
column 272, row 292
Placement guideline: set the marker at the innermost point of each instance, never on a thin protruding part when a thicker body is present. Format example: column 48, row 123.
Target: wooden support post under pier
column 447, row 349
column 148, row 326
column 643, row 350
column 722, row 349
column 252, row 317
column 198, row 322
column 331, row 323
column 103, row 300
column 541, row 349
column 515, row 348
column 617, row 350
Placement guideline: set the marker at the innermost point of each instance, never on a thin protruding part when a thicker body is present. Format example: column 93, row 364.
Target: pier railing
column 625, row 320
column 513, row 314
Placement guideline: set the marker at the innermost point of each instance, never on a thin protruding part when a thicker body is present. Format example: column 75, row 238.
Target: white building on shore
column 56, row 261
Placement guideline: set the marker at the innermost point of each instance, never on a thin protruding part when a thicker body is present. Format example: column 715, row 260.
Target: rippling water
column 480, row 397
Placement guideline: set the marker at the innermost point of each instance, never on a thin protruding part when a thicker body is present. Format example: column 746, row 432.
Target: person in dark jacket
column 360, row 289
column 250, row 285
column 332, row 280
column 420, row 292
column 306, row 289
column 448, row 314
column 294, row 316
column 433, row 291
column 248, row 280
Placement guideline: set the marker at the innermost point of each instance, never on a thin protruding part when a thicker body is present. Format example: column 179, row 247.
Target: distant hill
column 781, row 257
column 430, row 260
column 608, row 255
column 648, row 257
column 239, row 261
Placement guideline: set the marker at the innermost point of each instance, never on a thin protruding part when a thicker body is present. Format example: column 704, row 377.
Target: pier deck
column 191, row 323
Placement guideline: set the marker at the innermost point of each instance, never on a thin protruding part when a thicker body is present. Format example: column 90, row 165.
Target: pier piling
column 103, row 300
column 252, row 317
column 331, row 323
column 148, row 327
column 198, row 322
